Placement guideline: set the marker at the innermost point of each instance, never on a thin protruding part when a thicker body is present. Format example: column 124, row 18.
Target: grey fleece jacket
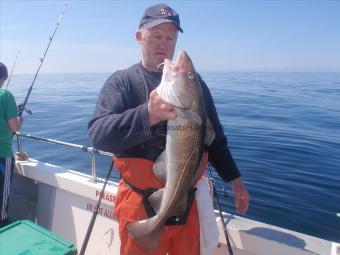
column 120, row 123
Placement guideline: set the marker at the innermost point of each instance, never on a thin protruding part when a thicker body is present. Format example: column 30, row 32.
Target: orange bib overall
column 176, row 239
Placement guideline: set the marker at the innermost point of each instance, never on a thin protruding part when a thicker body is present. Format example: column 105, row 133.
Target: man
column 130, row 121
column 9, row 123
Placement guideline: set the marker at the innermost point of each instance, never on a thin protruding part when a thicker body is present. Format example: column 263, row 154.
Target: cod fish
column 179, row 164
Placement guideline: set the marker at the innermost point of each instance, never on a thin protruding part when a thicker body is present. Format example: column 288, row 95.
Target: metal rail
column 90, row 150
column 93, row 152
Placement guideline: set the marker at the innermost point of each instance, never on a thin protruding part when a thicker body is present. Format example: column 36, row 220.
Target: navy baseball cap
column 158, row 14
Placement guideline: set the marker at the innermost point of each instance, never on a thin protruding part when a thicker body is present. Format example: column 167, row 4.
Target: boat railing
column 93, row 152
column 90, row 150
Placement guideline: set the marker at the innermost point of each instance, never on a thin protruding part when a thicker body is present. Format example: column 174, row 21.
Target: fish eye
column 191, row 75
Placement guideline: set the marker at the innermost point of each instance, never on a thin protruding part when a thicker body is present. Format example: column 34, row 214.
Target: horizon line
column 200, row 71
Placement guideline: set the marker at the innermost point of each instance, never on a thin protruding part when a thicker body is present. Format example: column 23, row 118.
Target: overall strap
column 150, row 211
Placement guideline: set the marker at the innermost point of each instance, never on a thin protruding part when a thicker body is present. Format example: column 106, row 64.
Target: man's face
column 157, row 44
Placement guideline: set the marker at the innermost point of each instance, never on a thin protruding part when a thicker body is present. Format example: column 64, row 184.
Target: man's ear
column 139, row 36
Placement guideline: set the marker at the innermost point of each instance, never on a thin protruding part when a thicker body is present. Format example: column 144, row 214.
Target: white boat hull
column 62, row 201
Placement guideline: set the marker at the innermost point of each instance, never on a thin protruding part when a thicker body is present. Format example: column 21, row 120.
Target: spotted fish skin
column 179, row 164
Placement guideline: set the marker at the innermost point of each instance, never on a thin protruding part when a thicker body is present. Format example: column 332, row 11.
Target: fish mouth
column 178, row 66
column 169, row 66
column 184, row 63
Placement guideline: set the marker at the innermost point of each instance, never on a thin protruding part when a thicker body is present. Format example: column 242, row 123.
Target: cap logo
column 167, row 12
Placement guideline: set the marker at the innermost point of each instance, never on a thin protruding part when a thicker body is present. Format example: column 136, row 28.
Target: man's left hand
column 241, row 196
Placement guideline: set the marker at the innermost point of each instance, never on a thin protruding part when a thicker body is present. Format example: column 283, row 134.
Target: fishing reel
column 22, row 108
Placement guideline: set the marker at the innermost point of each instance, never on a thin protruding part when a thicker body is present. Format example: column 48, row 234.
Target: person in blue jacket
column 130, row 121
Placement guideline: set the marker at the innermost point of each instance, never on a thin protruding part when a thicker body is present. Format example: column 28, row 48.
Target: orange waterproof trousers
column 176, row 239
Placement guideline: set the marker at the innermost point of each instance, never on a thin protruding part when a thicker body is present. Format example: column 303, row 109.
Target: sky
column 99, row 36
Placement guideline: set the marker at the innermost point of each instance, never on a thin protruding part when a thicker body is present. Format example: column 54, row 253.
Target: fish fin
column 201, row 165
column 181, row 206
column 159, row 167
column 146, row 240
column 209, row 133
column 155, row 199
column 187, row 114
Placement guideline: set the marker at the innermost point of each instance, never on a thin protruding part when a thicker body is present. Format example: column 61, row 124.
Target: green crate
column 23, row 237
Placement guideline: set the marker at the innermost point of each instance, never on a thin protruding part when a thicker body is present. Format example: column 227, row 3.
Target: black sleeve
column 117, row 124
column 219, row 153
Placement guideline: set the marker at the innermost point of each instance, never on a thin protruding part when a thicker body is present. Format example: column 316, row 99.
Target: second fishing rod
column 22, row 107
column 10, row 76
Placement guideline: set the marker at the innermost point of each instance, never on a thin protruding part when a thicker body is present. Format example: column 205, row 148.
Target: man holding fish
column 160, row 121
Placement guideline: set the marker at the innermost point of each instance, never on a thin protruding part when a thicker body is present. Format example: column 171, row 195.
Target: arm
column 14, row 124
column 219, row 153
column 11, row 113
column 118, row 124
column 220, row 156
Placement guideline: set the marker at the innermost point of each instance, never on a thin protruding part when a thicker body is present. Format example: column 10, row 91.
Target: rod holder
column 19, row 143
column 93, row 166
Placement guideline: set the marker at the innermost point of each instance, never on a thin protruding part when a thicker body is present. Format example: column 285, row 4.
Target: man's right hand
column 15, row 124
column 159, row 110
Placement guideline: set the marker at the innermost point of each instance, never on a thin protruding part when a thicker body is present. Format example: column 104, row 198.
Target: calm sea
column 283, row 130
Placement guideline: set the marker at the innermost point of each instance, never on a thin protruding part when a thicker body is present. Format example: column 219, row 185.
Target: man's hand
column 241, row 196
column 159, row 110
column 14, row 124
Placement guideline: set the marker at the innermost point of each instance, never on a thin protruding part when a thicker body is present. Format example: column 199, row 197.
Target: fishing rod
column 22, row 107
column 10, row 76
column 95, row 213
column 220, row 212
